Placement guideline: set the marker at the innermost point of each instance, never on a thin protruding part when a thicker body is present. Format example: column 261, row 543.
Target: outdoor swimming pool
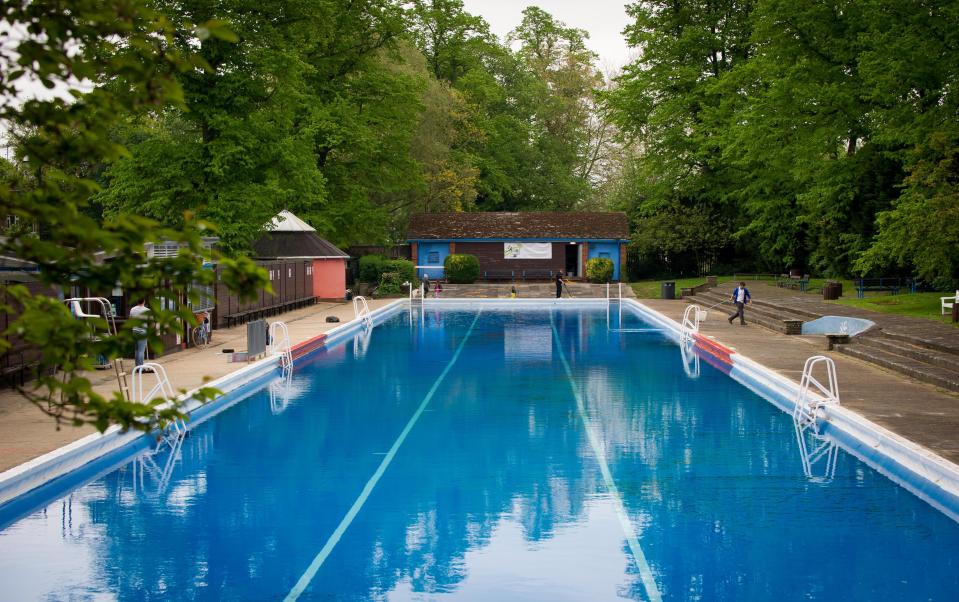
column 525, row 454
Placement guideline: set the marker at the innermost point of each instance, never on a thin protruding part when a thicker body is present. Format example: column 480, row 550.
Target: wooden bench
column 538, row 274
column 878, row 284
column 793, row 282
column 491, row 275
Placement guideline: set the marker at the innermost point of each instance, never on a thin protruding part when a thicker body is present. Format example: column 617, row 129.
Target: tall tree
column 665, row 104
column 559, row 98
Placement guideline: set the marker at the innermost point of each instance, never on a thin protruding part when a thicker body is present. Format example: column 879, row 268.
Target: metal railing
column 279, row 345
column 76, row 307
column 690, row 323
column 812, row 399
column 161, row 387
column 361, row 310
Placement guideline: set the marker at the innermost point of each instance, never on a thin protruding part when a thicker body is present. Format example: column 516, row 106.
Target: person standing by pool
column 740, row 298
column 559, row 284
column 426, row 285
column 138, row 312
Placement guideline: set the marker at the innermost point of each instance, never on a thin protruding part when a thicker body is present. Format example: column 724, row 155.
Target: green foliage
column 390, row 284
column 58, row 146
column 599, row 270
column 404, row 267
column 371, row 266
column 461, row 268
column 817, row 135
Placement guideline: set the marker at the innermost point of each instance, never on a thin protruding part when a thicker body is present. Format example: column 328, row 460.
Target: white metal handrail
column 690, row 322
column 161, row 388
column 361, row 310
column 811, row 400
column 280, row 345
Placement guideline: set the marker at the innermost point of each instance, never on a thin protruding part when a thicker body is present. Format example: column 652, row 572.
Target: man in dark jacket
column 740, row 298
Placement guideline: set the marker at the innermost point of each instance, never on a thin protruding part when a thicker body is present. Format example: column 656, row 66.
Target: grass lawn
column 919, row 305
column 652, row 289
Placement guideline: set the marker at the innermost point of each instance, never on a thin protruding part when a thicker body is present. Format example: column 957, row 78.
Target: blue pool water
column 507, row 455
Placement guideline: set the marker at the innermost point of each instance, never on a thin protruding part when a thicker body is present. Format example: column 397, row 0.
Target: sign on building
column 528, row 250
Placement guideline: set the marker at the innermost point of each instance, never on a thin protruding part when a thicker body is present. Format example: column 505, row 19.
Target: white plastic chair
column 948, row 302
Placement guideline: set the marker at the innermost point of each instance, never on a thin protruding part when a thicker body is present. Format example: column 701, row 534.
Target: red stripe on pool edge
column 717, row 350
column 307, row 346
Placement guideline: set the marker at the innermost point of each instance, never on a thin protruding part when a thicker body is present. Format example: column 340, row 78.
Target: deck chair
column 948, row 302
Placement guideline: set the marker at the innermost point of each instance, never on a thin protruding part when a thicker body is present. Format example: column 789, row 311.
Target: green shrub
column 391, row 283
column 405, row 268
column 371, row 266
column 599, row 270
column 461, row 269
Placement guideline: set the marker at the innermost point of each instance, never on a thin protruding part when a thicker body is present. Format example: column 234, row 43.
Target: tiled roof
column 552, row 226
column 273, row 245
column 289, row 236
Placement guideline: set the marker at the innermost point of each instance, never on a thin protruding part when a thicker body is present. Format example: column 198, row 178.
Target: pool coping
column 920, row 471
column 114, row 441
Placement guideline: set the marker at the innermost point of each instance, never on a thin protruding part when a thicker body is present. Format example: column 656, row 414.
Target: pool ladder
column 813, row 398
column 417, row 295
column 690, row 325
column 170, row 440
column 281, row 347
column 361, row 311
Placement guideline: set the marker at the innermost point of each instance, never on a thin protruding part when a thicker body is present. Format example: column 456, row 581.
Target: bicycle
column 200, row 334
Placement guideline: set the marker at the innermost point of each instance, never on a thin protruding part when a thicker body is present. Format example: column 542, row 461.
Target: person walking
column 139, row 312
column 740, row 298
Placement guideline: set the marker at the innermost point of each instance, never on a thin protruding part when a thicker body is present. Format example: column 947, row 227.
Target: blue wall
column 442, row 249
column 605, row 249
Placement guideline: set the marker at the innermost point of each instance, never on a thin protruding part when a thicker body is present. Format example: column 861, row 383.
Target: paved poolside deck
column 922, row 413
column 26, row 432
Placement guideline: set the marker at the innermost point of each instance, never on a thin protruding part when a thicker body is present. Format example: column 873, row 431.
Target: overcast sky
column 603, row 19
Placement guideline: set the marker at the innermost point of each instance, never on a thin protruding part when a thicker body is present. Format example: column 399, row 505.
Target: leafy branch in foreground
column 106, row 62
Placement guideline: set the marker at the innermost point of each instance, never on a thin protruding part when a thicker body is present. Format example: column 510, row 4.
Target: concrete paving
column 26, row 432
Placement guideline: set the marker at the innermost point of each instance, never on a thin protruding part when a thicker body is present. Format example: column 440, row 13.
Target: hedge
column 372, row 268
column 391, row 283
column 599, row 270
column 461, row 269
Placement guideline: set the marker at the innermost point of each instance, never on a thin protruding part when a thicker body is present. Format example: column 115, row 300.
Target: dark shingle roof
column 295, row 244
column 554, row 226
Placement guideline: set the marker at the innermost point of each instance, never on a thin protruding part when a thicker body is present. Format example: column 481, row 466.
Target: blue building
column 519, row 246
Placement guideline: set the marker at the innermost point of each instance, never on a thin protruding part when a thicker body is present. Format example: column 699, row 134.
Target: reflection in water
column 495, row 494
column 690, row 359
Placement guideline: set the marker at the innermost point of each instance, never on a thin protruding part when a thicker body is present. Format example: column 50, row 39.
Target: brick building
column 520, row 246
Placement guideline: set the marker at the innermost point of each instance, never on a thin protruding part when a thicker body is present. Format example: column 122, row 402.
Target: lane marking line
column 645, row 573
column 324, row 553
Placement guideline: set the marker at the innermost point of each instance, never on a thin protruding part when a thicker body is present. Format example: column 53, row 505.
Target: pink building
column 290, row 238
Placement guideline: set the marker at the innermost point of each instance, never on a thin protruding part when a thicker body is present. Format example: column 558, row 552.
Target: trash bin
column 669, row 290
column 831, row 291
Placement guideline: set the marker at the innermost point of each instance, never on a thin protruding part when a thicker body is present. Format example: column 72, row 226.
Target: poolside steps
column 763, row 314
column 912, row 355
column 939, row 369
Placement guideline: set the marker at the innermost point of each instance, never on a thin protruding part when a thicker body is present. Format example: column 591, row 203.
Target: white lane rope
column 645, row 573
column 324, row 553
